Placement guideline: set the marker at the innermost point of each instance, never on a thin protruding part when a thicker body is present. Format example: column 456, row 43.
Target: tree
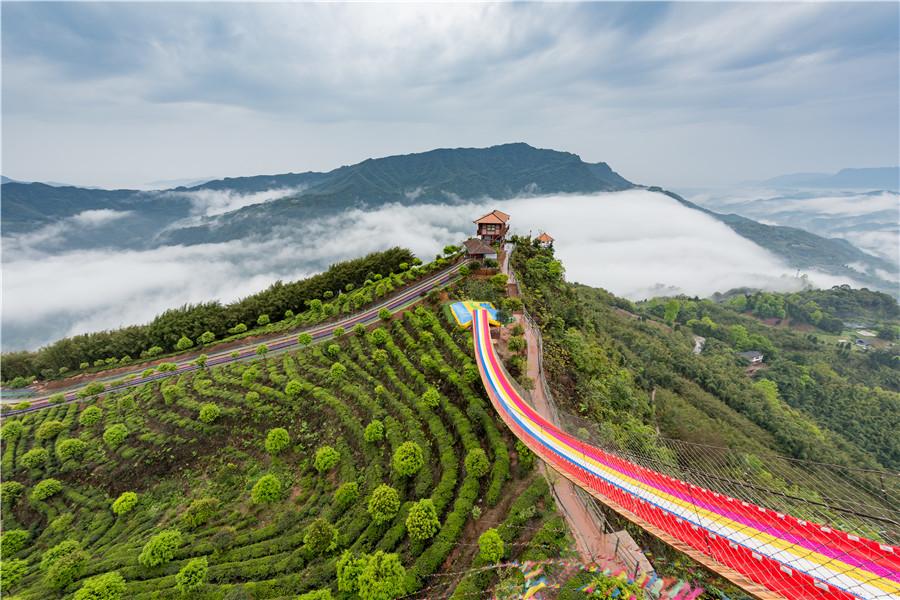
column 115, row 435
column 384, row 503
column 207, row 337
column 199, row 512
column 320, row 537
column 266, row 490
column 161, row 548
column 382, row 577
column 183, row 343
column 293, row 388
column 673, row 307
column 431, row 398
column 11, row 430
column 34, row 458
column 262, row 350
column 345, row 495
column 349, row 566
column 70, row 449
column 263, row 320
column 338, row 332
column 66, row 568
column 477, row 463
column 408, row 459
column 192, row 576
column 359, row 330
column 422, row 521
column 10, row 491
column 109, row 586
column 326, row 458
column 154, row 351
column 384, row 314
column 90, row 416
column 200, row 361
column 12, row 541
column 337, row 371
column 57, row 398
column 49, row 429
column 380, row 336
column 333, row 350
column 277, row 440
column 304, row 339
column 490, row 546
column 209, row 412
column 374, row 431
column 125, row 503
column 237, row 329
column 46, row 488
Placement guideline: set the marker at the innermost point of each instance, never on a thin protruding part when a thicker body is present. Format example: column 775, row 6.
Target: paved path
column 276, row 343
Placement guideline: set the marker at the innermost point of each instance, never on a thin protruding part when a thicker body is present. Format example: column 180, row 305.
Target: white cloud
column 95, row 218
column 208, row 203
column 631, row 243
column 50, row 235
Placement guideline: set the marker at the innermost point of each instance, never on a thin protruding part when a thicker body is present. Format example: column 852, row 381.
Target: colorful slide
column 787, row 556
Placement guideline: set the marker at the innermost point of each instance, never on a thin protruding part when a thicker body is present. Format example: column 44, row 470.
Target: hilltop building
column 492, row 227
column 479, row 250
column 545, row 239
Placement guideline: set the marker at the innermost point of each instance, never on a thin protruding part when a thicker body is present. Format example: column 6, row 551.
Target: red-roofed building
column 492, row 227
column 545, row 239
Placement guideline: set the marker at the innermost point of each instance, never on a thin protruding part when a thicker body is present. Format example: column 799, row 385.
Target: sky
column 686, row 94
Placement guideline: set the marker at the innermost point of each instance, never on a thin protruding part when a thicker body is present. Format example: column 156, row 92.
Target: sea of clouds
column 637, row 244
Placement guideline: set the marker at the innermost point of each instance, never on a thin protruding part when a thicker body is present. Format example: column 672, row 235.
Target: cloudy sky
column 672, row 94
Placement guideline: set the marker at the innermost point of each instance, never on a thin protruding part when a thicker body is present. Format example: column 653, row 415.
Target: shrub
column 90, row 416
column 207, row 337
column 380, row 336
column 384, row 314
column 192, row 576
column 408, row 459
column 263, row 320
column 359, row 330
column 379, row 356
column 200, row 361
column 34, row 458
column 422, row 521
column 374, row 431
column 603, row 586
column 161, row 548
column 109, row 586
column 183, row 343
column 382, row 577
column 239, row 328
column 57, row 398
column 251, row 396
column 115, row 435
column 49, row 430
column 250, row 375
column 293, row 388
column 124, row 503
column 323, row 594
column 46, row 488
column 384, row 503
column 262, row 350
column 526, row 456
column 337, row 371
column 277, row 440
column 326, row 458
column 11, row 430
column 477, row 463
column 70, row 449
column 11, row 571
column 345, row 495
column 199, row 512
column 266, row 490
column 431, row 398
column 66, row 568
column 209, row 412
column 349, row 566
column 490, row 546
column 320, row 537
column 333, row 350
column 91, row 389
column 12, row 541
column 304, row 339
column 166, row 366
column 338, row 332
column 148, row 372
column 10, row 491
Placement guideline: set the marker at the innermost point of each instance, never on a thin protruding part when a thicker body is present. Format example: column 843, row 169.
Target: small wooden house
column 493, row 227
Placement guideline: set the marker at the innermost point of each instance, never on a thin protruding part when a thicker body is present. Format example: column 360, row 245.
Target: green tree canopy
column 408, row 459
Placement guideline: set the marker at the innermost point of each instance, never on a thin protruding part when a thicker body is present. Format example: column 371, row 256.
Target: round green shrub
column 374, row 431
column 320, row 537
column 125, row 503
column 34, row 458
column 192, row 576
column 183, row 343
column 304, row 339
column 346, row 495
column 490, row 546
column 266, row 490
column 338, row 332
column 90, row 416
column 199, row 512
column 277, row 440
column 70, row 449
column 49, row 429
column 326, row 458
column 422, row 521
column 337, row 371
column 66, row 568
column 115, row 435
column 46, row 488
column 382, row 577
column 380, row 336
column 10, row 491
column 11, row 430
column 408, row 459
column 209, row 412
column 384, row 503
column 251, row 396
column 263, row 320
column 109, row 586
column 431, row 398
column 384, row 314
column 293, row 388
column 160, row 549
column 477, row 463
column 12, row 541
column 262, row 349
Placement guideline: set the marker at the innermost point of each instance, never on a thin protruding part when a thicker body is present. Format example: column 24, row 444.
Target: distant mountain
column 444, row 176
column 877, row 178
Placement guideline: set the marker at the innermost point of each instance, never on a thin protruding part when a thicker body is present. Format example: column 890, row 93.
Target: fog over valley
column 634, row 243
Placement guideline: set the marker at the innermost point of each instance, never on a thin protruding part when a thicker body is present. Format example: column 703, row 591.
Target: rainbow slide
column 789, row 557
